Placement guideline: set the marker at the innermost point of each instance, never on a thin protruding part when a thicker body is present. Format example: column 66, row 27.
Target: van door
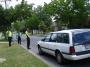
column 52, row 44
column 63, row 40
column 45, row 43
column 60, row 41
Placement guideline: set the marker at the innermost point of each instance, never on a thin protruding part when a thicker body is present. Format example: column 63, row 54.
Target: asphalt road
column 51, row 60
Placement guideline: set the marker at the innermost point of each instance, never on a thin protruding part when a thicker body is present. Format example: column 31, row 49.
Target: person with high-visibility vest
column 9, row 37
column 28, row 39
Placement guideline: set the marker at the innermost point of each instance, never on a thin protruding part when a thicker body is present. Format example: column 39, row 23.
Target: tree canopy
column 66, row 13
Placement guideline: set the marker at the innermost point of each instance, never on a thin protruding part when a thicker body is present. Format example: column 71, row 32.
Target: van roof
column 72, row 30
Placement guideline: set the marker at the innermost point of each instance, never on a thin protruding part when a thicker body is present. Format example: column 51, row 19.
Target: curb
column 37, row 56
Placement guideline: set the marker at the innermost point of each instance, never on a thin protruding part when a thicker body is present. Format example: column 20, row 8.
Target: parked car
column 73, row 44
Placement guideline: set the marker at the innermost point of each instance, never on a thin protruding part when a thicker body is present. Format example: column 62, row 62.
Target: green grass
column 3, row 40
column 16, row 56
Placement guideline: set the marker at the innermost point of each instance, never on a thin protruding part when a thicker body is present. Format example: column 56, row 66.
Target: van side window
column 53, row 37
column 59, row 38
column 63, row 38
column 47, row 38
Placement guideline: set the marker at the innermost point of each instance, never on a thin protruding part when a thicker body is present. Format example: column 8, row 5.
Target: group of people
column 9, row 33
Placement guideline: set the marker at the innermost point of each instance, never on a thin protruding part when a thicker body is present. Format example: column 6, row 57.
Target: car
column 72, row 44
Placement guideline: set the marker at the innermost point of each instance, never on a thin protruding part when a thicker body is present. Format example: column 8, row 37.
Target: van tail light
column 72, row 50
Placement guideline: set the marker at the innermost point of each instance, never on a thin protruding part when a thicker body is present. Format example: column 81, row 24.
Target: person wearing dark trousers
column 28, row 39
column 28, row 43
column 19, row 38
column 9, row 38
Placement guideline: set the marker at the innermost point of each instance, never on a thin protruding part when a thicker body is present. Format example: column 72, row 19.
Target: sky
column 36, row 2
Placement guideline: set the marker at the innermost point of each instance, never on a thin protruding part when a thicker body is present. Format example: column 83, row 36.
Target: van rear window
column 82, row 38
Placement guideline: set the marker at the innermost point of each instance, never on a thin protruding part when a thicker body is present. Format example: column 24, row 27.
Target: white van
column 73, row 44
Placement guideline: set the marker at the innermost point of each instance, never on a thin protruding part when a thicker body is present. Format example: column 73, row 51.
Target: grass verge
column 3, row 40
column 16, row 56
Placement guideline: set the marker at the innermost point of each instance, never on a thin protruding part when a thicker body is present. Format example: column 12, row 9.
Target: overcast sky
column 36, row 2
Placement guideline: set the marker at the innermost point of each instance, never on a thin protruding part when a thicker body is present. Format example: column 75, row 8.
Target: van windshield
column 81, row 38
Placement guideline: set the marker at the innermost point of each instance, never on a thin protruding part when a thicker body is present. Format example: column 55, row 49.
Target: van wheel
column 40, row 50
column 59, row 58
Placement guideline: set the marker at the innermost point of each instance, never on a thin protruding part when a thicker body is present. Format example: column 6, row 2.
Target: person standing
column 19, row 38
column 28, row 39
column 9, row 37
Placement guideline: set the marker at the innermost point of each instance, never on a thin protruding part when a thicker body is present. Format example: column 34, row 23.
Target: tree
column 32, row 22
column 5, row 19
column 18, row 25
column 1, row 18
column 72, row 13
column 42, row 27
column 22, row 11
column 43, row 16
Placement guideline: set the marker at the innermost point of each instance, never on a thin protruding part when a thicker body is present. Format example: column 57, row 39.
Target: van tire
column 40, row 50
column 59, row 58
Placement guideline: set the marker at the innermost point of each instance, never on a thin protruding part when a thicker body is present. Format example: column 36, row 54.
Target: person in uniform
column 9, row 37
column 28, row 39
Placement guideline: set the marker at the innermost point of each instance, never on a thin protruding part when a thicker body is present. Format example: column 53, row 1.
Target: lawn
column 16, row 56
column 3, row 40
